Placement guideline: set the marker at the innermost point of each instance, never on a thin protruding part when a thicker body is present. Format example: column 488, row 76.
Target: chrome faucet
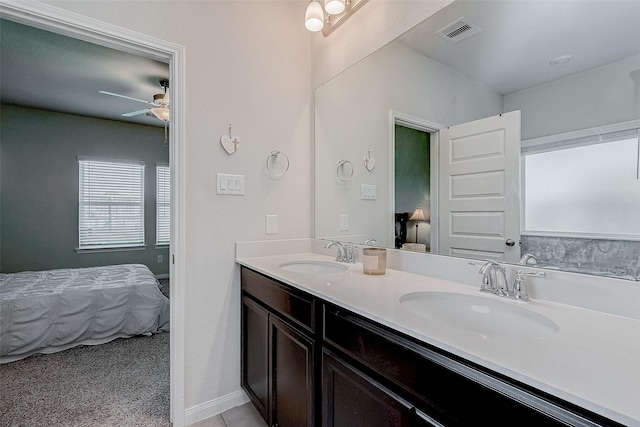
column 344, row 254
column 494, row 278
column 351, row 256
column 528, row 259
column 520, row 287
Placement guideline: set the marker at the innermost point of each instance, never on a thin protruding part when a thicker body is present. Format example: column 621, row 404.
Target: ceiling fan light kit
column 160, row 103
column 161, row 113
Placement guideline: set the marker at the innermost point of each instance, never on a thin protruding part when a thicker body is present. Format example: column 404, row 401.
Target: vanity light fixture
column 334, row 7
column 335, row 13
column 314, row 18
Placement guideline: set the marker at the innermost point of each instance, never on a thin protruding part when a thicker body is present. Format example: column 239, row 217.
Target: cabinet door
column 292, row 370
column 255, row 355
column 352, row 399
column 420, row 419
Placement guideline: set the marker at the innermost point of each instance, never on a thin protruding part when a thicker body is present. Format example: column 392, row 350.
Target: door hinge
column 173, row 258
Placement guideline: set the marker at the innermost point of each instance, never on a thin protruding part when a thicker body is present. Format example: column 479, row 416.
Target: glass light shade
column 161, row 113
column 314, row 18
column 334, row 7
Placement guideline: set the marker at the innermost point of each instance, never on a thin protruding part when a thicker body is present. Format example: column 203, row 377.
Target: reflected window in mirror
column 581, row 199
column 590, row 190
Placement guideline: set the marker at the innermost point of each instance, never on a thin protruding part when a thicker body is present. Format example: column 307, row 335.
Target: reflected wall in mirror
column 573, row 71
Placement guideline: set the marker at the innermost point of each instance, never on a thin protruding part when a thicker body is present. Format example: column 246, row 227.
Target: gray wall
column 39, row 186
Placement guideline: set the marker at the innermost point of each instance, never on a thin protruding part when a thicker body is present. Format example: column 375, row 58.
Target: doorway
column 59, row 21
column 414, row 182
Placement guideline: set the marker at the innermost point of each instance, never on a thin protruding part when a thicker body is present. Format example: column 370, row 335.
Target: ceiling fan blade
column 135, row 113
column 123, row 96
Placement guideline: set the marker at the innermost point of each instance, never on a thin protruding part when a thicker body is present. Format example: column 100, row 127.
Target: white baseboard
column 214, row 407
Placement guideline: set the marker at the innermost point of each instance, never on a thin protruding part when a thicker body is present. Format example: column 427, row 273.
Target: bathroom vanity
column 327, row 347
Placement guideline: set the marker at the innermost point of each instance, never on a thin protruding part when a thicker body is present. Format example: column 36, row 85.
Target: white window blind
column 163, row 205
column 111, row 208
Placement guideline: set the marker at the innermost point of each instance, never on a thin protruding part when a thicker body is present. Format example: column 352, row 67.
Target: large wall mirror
column 404, row 157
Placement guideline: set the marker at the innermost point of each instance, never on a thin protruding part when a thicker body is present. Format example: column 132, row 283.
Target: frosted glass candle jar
column 374, row 260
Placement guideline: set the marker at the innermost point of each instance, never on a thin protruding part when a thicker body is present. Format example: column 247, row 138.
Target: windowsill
column 163, row 246
column 590, row 236
column 116, row 249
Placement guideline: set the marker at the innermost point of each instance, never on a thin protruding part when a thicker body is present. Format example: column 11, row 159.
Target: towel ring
column 272, row 163
column 344, row 176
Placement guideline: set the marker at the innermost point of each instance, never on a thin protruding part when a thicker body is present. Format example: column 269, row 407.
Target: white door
column 479, row 182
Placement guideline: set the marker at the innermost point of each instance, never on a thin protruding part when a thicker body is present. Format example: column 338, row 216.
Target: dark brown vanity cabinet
column 352, row 398
column 309, row 363
column 278, row 351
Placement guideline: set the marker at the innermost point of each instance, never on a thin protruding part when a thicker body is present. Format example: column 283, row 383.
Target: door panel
column 292, row 381
column 479, row 200
column 255, row 353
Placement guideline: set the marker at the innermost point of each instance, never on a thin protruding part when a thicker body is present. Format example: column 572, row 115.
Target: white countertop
column 593, row 361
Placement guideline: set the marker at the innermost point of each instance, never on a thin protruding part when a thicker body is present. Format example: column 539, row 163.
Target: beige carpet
column 121, row 383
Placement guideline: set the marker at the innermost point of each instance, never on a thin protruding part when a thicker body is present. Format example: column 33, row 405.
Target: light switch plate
column 367, row 192
column 271, row 224
column 230, row 184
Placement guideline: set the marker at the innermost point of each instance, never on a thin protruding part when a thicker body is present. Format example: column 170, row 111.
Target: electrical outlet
column 344, row 222
column 271, row 224
column 159, row 258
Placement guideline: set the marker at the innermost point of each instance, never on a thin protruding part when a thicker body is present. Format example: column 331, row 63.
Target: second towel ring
column 344, row 170
column 276, row 168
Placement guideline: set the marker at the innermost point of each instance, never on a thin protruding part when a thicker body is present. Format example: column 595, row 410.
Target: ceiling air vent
column 458, row 30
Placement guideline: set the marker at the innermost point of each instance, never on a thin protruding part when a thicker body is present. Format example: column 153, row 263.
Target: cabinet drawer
column 453, row 392
column 290, row 303
column 351, row 398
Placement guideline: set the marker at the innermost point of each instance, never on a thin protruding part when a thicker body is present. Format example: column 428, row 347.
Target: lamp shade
column 418, row 215
column 314, row 18
column 334, row 7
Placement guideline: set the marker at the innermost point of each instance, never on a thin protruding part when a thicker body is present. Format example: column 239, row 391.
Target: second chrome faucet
column 494, row 281
column 345, row 254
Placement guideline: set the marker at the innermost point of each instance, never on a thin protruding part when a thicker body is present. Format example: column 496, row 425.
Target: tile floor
column 240, row 416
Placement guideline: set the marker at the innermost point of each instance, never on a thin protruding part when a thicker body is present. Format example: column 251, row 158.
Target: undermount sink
column 484, row 315
column 313, row 267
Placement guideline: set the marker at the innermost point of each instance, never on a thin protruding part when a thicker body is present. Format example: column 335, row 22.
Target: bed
column 53, row 310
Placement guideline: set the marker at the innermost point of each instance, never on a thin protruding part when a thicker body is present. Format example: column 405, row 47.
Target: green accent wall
column 39, row 187
column 412, row 171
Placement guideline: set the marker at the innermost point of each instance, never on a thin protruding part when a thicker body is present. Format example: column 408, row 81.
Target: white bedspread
column 49, row 311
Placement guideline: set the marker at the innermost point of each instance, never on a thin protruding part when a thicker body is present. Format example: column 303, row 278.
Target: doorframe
column 432, row 128
column 60, row 21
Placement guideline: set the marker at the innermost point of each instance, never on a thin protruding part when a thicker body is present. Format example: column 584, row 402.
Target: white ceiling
column 512, row 52
column 44, row 70
column 520, row 38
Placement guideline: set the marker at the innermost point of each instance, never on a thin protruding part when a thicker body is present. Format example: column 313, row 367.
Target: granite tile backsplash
column 612, row 258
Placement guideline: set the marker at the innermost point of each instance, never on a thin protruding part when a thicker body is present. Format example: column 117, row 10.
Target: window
column 590, row 190
column 111, row 208
column 163, row 205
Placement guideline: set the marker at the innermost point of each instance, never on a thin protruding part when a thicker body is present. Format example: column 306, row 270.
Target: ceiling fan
column 160, row 103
